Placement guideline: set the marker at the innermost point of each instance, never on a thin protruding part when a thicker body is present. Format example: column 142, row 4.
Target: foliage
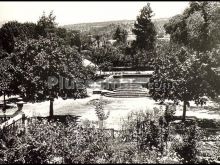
column 142, row 59
column 100, row 113
column 108, row 28
column 169, row 113
column 75, row 144
column 36, row 60
column 120, row 35
column 107, row 56
column 148, row 128
column 33, row 52
column 144, row 138
column 176, row 28
column 184, row 69
column 197, row 27
column 5, row 75
column 184, row 75
column 79, row 39
column 12, row 31
column 46, row 24
column 100, row 110
column 142, row 50
column 187, row 146
column 144, row 30
column 209, row 152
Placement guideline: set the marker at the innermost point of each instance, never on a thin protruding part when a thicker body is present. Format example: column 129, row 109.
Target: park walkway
column 119, row 108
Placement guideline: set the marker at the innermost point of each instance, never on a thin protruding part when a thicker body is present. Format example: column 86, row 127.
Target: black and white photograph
column 109, row 82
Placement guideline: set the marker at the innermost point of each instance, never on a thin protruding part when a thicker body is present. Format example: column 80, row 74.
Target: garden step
column 129, row 90
column 128, row 95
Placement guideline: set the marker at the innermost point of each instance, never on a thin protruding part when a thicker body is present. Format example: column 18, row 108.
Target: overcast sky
column 79, row 12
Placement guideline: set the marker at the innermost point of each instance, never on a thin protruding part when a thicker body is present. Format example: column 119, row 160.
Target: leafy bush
column 169, row 113
column 145, row 137
column 147, row 128
column 186, row 146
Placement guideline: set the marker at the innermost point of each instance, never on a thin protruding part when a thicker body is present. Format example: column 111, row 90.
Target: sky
column 81, row 12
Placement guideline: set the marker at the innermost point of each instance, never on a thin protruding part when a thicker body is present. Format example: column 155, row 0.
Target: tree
column 141, row 59
column 198, row 26
column 144, row 30
column 46, row 24
column 8, row 34
column 176, row 27
column 120, row 35
column 98, row 39
column 36, row 60
column 214, row 27
column 35, row 53
column 75, row 39
column 61, row 32
column 187, row 67
column 5, row 76
column 79, row 39
column 100, row 57
column 12, row 31
column 183, row 76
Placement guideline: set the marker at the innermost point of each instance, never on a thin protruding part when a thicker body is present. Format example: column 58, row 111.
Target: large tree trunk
column 184, row 110
column 51, row 107
column 4, row 106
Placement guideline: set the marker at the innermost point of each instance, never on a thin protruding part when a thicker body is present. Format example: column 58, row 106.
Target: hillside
column 97, row 28
column 88, row 26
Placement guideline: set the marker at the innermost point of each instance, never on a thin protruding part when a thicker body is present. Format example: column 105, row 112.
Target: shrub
column 169, row 113
column 186, row 146
column 147, row 128
column 99, row 109
column 142, row 140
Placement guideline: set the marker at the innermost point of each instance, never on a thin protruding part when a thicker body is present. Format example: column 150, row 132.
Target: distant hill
column 88, row 26
column 108, row 27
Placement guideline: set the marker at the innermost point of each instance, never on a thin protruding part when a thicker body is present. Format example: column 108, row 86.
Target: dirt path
column 209, row 111
column 119, row 108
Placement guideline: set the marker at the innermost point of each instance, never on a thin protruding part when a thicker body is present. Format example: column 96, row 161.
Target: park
column 144, row 91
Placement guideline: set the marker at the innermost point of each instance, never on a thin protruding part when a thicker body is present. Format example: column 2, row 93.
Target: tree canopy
column 31, row 53
column 120, row 35
column 144, row 30
column 198, row 26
